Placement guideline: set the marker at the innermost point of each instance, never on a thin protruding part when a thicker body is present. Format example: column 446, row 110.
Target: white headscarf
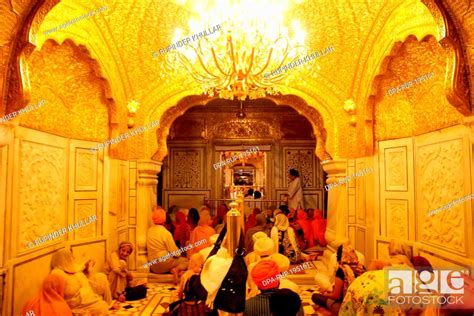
column 64, row 260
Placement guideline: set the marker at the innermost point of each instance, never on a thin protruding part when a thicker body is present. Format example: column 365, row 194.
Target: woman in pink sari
column 200, row 236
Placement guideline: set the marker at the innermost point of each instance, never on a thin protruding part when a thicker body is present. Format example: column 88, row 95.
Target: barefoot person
column 84, row 292
column 160, row 244
column 117, row 270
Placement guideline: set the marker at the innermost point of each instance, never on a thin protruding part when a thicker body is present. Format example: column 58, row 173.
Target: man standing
column 295, row 190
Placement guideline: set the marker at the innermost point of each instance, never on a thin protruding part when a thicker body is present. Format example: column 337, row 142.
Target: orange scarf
column 50, row 300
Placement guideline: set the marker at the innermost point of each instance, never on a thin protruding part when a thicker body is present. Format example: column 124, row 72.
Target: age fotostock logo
column 408, row 287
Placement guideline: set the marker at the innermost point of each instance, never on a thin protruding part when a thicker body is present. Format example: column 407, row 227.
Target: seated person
column 182, row 230
column 191, row 290
column 161, row 246
column 50, row 299
column 259, row 227
column 285, row 241
column 284, row 302
column 263, row 247
column 283, row 265
column 264, row 276
column 400, row 255
column 83, row 292
column 349, row 269
column 201, row 233
column 206, row 251
column 193, row 218
column 117, row 270
column 367, row 296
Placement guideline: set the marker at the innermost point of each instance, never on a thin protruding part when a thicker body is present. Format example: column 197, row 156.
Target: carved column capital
column 147, row 172
column 335, row 169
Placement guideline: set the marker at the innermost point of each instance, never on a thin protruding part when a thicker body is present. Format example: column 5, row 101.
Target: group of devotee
column 190, row 244
column 72, row 289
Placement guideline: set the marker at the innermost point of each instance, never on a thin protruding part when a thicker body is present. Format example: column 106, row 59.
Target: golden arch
column 297, row 103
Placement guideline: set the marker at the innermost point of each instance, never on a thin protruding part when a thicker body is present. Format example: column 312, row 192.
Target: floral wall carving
column 187, row 169
column 75, row 107
column 412, row 111
column 303, row 161
column 441, row 179
column 42, row 191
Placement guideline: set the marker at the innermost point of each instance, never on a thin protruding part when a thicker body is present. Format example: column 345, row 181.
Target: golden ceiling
column 122, row 38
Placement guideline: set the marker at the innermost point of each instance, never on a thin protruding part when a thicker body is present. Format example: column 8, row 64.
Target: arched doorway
column 200, row 141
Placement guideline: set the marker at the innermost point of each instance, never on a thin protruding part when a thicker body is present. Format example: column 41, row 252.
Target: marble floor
column 160, row 295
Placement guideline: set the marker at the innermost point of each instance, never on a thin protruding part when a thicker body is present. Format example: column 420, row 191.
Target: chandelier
column 236, row 61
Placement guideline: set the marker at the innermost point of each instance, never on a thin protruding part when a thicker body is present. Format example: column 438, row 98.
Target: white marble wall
column 47, row 183
column 422, row 173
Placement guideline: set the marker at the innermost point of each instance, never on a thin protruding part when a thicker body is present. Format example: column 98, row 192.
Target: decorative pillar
column 146, row 199
column 233, row 228
column 336, row 231
column 241, row 207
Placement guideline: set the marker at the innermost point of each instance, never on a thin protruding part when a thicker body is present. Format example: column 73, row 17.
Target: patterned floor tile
column 159, row 297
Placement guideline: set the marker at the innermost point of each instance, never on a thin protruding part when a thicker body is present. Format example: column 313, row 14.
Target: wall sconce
column 351, row 108
column 132, row 107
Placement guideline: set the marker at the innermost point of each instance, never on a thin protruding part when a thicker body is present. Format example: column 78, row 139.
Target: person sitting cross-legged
column 264, row 274
column 117, row 270
column 349, row 269
column 161, row 246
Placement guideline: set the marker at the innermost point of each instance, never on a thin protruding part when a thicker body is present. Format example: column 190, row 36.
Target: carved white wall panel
column 41, row 191
column 396, row 172
column 86, row 170
column 397, row 219
column 360, row 196
column 95, row 250
column 443, row 175
column 83, row 209
column 360, row 243
column 397, row 196
column 85, row 189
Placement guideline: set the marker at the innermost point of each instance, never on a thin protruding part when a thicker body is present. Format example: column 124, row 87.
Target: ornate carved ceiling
column 122, row 39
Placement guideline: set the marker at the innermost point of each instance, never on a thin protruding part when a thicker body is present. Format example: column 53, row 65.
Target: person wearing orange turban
column 50, row 300
column 163, row 254
column 265, row 275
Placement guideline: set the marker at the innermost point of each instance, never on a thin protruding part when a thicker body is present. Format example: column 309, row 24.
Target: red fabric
column 221, row 212
column 319, row 228
column 305, row 224
column 182, row 229
column 50, row 300
column 318, row 214
column 252, row 220
column 264, row 274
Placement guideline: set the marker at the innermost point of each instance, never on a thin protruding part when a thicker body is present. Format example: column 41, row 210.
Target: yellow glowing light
column 253, row 40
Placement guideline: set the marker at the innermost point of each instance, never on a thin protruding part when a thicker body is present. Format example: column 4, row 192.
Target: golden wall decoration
column 314, row 117
column 75, row 104
column 423, row 106
column 132, row 72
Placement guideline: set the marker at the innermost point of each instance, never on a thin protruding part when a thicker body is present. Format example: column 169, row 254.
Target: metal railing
column 262, row 204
